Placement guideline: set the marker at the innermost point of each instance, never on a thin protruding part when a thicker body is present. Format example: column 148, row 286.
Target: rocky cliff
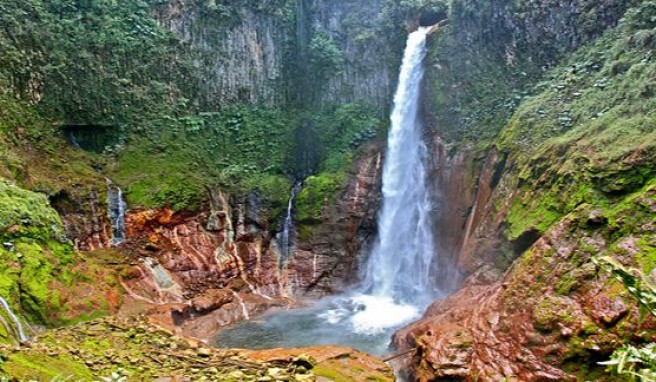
column 239, row 50
column 562, row 186
column 287, row 53
column 538, row 117
column 206, row 270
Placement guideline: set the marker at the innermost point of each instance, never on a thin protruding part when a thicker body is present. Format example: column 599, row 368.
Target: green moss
column 532, row 214
column 26, row 213
column 318, row 192
column 39, row 273
column 36, row 273
column 27, row 366
column 646, row 256
column 575, row 141
column 240, row 148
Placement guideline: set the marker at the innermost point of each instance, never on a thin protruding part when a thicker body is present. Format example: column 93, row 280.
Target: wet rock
column 607, row 310
column 527, row 325
column 211, row 300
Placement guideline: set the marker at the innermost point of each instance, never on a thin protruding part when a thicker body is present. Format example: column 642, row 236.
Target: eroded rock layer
column 207, row 270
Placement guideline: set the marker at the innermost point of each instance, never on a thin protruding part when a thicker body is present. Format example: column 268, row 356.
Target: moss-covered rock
column 139, row 351
column 41, row 276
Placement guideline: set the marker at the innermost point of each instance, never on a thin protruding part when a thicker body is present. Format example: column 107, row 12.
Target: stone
column 596, row 217
column 211, row 299
column 305, row 361
column 305, row 378
column 608, row 310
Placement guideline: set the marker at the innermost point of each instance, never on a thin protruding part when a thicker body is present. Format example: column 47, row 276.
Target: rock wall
column 493, row 53
column 239, row 50
column 550, row 318
column 371, row 53
column 261, row 55
column 551, row 195
column 453, row 177
column 83, row 211
column 203, row 271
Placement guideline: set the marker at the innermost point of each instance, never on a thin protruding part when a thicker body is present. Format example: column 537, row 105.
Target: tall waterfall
column 399, row 277
column 19, row 327
column 397, row 281
column 116, row 207
column 400, row 263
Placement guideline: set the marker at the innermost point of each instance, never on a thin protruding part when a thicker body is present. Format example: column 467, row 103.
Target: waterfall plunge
column 285, row 237
column 399, row 265
column 116, row 208
column 398, row 279
column 18, row 326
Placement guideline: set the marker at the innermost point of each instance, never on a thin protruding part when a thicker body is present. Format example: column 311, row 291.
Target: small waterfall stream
column 285, row 237
column 17, row 324
column 116, row 207
column 398, row 278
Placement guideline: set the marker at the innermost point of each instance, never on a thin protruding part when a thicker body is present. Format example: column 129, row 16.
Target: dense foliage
column 586, row 114
column 107, row 71
column 639, row 362
column 89, row 62
column 512, row 45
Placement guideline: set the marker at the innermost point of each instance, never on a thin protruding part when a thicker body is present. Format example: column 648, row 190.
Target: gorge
column 390, row 294
column 499, row 226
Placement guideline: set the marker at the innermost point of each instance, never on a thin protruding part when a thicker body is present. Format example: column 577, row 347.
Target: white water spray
column 400, row 264
column 399, row 278
column 19, row 327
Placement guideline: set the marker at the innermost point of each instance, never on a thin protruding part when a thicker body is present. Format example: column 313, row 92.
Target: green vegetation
column 574, row 142
column 236, row 148
column 339, row 134
column 90, row 62
column 40, row 274
column 639, row 362
column 27, row 214
column 326, row 58
column 475, row 91
column 106, row 72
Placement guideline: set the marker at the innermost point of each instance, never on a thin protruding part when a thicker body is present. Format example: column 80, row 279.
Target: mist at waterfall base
column 398, row 278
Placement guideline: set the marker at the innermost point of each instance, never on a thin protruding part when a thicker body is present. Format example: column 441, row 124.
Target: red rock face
column 85, row 220
column 454, row 182
column 223, row 264
column 327, row 261
column 552, row 311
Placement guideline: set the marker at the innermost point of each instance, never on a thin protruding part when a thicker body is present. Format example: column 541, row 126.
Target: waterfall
column 19, row 327
column 288, row 224
column 398, row 280
column 116, row 207
column 400, row 263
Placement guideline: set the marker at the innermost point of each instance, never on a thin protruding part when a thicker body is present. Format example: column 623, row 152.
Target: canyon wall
column 239, row 50
column 554, row 193
column 200, row 271
column 288, row 54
